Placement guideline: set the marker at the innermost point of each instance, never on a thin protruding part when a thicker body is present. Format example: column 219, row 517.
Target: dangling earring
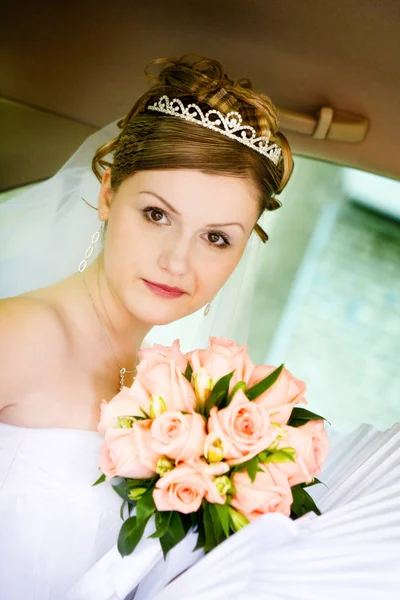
column 95, row 238
column 207, row 308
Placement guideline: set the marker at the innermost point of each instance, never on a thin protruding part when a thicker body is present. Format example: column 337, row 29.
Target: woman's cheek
column 224, row 261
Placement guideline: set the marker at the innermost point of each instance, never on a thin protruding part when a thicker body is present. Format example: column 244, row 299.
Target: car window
column 327, row 301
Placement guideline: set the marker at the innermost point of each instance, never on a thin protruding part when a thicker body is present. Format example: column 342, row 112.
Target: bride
column 180, row 190
column 176, row 208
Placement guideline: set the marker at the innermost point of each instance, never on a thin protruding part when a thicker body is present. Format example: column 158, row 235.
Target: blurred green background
column 327, row 302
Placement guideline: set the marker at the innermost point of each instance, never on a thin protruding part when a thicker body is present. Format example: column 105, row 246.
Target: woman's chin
column 154, row 310
column 156, row 317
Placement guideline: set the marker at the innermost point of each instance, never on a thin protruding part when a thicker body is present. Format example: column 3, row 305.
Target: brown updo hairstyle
column 151, row 141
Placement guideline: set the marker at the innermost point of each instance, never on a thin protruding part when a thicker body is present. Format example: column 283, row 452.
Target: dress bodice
column 54, row 525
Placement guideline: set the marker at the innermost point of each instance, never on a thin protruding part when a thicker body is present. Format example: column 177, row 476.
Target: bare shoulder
column 33, row 339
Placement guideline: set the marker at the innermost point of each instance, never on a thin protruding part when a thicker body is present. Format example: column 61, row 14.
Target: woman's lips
column 164, row 290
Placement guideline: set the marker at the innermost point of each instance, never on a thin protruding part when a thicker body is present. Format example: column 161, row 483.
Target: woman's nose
column 175, row 255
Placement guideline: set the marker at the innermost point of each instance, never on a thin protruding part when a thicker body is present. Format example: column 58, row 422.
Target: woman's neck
column 122, row 331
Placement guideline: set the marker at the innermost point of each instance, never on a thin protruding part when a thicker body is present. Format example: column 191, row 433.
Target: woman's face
column 173, row 239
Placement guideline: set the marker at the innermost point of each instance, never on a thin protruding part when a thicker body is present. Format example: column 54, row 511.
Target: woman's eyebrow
column 171, row 208
column 225, row 225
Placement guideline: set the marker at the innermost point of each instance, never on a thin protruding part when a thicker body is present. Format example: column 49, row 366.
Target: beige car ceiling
column 71, row 67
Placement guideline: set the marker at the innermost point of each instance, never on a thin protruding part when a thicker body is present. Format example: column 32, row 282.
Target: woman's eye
column 155, row 215
column 217, row 238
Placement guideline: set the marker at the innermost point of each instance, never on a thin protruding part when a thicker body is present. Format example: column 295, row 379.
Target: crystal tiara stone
column 229, row 125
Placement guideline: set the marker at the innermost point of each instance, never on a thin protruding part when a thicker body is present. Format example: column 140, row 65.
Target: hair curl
column 149, row 141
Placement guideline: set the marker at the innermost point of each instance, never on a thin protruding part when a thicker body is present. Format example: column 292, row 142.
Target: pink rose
column 184, row 488
column 121, row 406
column 311, row 445
column 282, row 396
column 178, row 436
column 128, row 453
column 243, row 428
column 162, row 384
column 270, row 492
column 217, row 469
column 159, row 354
column 221, row 357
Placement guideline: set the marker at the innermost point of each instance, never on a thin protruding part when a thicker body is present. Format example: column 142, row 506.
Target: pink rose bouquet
column 208, row 441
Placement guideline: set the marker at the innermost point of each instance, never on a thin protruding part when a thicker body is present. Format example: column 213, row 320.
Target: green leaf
column 216, row 521
column 263, row 456
column 240, row 385
column 279, row 456
column 211, row 538
column 162, row 521
column 251, row 467
column 223, row 514
column 144, row 413
column 236, row 520
column 201, row 538
column 121, row 510
column 187, row 522
column 123, row 486
column 194, row 519
column 219, row 393
column 176, row 526
column 136, row 493
column 263, row 385
column 302, row 502
column 130, row 535
column 99, row 480
column 174, row 535
column 188, row 372
column 301, row 416
column 315, row 481
column 145, row 507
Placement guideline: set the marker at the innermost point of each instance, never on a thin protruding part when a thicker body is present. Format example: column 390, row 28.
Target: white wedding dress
column 58, row 533
column 54, row 525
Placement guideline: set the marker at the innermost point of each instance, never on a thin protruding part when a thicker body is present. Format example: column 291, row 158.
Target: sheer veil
column 45, row 230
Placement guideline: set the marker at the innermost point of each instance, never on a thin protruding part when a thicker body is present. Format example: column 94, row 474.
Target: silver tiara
column 230, row 125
